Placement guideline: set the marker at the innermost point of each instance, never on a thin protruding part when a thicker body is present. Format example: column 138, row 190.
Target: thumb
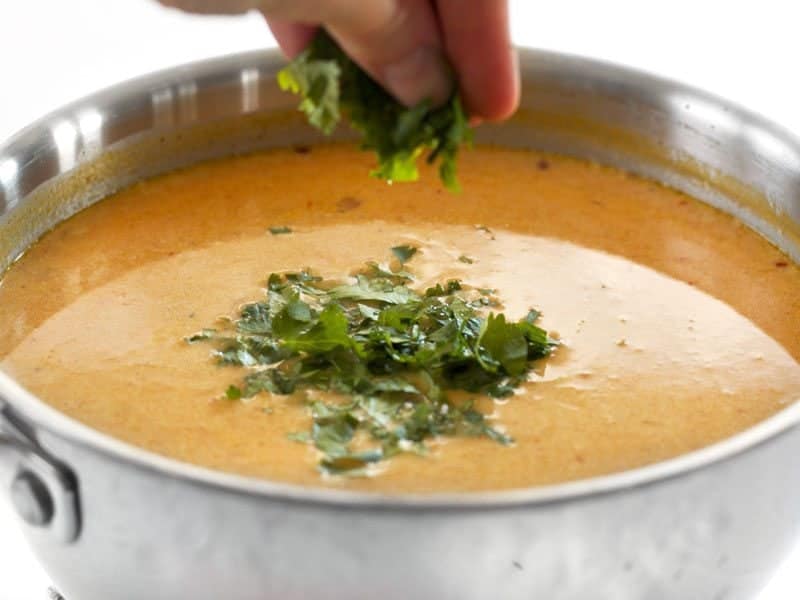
column 401, row 47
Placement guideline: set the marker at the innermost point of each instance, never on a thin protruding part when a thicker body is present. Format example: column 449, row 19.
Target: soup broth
column 679, row 326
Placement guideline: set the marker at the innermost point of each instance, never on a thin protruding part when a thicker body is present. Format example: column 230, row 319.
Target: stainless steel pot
column 111, row 521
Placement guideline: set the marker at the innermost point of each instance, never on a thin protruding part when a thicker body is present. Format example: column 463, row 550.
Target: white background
column 53, row 51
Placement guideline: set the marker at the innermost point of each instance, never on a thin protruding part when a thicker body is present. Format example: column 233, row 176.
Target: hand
column 404, row 44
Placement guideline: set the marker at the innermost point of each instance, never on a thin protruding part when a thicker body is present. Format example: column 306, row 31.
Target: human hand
column 404, row 44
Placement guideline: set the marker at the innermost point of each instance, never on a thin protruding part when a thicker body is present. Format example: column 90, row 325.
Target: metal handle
column 44, row 491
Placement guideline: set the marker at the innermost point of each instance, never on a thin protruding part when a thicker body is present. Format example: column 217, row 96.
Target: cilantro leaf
column 377, row 290
column 505, row 344
column 351, row 464
column 317, row 82
column 280, row 230
column 201, row 336
column 330, row 83
column 452, row 285
column 329, row 332
column 332, row 430
column 404, row 253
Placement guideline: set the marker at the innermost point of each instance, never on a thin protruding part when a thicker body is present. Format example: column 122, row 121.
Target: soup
column 678, row 325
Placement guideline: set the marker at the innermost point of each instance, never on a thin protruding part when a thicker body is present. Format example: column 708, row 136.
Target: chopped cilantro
column 389, row 355
column 485, row 230
column 466, row 259
column 280, row 230
column 205, row 334
column 404, row 253
column 330, row 83
column 451, row 286
column 505, row 345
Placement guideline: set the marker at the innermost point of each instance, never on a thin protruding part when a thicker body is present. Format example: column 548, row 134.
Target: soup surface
column 680, row 325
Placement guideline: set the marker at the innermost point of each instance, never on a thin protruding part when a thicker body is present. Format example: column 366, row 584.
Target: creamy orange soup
column 680, row 325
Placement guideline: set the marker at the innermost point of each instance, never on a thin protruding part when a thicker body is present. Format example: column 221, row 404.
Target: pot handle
column 43, row 491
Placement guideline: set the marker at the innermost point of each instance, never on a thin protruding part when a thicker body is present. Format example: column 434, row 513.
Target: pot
column 108, row 520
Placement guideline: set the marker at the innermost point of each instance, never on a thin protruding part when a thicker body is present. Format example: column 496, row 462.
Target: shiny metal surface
column 711, row 524
column 31, row 500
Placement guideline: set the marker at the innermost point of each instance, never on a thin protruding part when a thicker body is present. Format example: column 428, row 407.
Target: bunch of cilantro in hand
column 331, row 85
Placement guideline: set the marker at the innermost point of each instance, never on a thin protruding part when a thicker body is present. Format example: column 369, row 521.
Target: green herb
column 331, row 84
column 466, row 259
column 485, row 230
column 451, row 286
column 280, row 230
column 205, row 334
column 390, row 357
column 404, row 253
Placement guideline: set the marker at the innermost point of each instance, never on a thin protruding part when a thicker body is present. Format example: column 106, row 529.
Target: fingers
column 479, row 46
column 401, row 48
column 396, row 41
column 291, row 37
column 212, row 7
column 316, row 11
column 402, row 43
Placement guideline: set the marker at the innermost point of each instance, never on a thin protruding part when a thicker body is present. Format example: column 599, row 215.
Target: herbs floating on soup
column 391, row 355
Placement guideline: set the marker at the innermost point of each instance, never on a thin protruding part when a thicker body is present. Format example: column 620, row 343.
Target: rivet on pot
column 31, row 499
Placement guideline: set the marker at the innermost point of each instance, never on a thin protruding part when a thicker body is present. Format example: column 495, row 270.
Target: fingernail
column 421, row 75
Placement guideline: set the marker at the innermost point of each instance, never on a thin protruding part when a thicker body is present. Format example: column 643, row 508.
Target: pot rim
column 24, row 404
